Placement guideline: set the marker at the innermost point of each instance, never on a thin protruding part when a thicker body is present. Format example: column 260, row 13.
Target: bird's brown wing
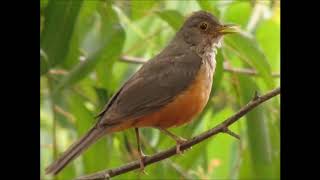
column 156, row 84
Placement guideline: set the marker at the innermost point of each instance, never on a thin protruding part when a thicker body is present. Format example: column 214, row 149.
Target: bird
column 167, row 91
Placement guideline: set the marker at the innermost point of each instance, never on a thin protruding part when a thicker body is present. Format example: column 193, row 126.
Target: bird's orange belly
column 185, row 106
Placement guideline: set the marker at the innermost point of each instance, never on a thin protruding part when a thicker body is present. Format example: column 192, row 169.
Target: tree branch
column 221, row 128
column 139, row 60
column 131, row 59
column 245, row 71
column 231, row 133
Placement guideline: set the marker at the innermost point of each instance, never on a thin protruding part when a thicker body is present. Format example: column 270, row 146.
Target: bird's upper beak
column 228, row 29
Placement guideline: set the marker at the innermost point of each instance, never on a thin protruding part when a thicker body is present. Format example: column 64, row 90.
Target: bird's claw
column 178, row 146
column 142, row 166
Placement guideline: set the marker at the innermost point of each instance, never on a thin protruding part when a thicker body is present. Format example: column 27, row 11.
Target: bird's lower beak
column 228, row 29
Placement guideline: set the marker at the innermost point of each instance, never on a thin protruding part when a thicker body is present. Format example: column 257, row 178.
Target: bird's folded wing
column 156, row 84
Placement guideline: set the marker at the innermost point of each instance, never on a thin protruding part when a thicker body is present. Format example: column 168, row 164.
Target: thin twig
column 197, row 139
column 64, row 113
column 245, row 71
column 231, row 133
column 131, row 59
column 139, row 60
column 58, row 72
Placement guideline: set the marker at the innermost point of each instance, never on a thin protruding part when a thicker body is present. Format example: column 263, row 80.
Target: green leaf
column 245, row 168
column 95, row 157
column 194, row 157
column 68, row 173
column 73, row 54
column 172, row 17
column 60, row 18
column 210, row 6
column 77, row 73
column 247, row 49
column 268, row 36
column 274, row 132
column 238, row 12
column 84, row 23
column 109, row 47
column 218, row 75
column 234, row 160
column 257, row 131
column 44, row 62
column 181, row 6
column 103, row 97
column 43, row 3
column 111, row 54
column 219, row 147
column 140, row 8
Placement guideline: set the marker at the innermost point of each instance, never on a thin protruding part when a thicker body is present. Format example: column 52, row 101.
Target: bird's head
column 204, row 29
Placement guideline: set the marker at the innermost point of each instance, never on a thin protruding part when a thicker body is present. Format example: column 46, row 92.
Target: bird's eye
column 203, row 26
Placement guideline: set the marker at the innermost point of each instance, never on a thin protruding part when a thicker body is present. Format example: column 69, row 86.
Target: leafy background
column 82, row 44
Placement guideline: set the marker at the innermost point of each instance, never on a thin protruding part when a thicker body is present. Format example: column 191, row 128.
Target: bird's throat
column 208, row 50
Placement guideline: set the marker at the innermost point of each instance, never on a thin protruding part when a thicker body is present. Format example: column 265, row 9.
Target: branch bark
column 246, row 71
column 139, row 60
column 221, row 128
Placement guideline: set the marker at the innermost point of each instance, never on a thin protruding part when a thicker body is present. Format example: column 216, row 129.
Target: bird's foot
column 179, row 142
column 142, row 166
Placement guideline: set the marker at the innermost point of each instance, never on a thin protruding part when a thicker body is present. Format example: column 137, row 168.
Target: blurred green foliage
column 81, row 47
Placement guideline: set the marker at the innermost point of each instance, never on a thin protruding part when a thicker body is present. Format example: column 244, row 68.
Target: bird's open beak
column 228, row 29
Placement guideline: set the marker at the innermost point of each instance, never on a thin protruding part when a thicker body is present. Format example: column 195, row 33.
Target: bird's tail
column 75, row 150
